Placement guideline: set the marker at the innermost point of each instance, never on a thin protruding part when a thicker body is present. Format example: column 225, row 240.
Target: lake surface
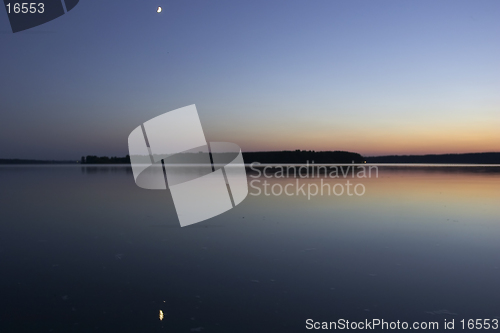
column 83, row 249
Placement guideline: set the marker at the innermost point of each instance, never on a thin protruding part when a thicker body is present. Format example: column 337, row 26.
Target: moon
column 158, row 10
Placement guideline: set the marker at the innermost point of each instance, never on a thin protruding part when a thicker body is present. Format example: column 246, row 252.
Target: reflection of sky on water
column 87, row 248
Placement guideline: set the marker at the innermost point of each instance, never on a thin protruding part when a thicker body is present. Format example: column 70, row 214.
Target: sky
column 374, row 77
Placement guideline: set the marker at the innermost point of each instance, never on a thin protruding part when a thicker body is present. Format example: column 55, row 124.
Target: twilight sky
column 375, row 77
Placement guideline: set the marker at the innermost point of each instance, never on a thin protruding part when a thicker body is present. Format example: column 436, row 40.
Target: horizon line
column 268, row 151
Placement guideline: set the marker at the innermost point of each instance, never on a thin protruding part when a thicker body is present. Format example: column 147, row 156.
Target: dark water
column 86, row 250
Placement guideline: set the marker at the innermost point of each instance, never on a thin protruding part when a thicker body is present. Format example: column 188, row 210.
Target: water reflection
column 93, row 252
column 93, row 169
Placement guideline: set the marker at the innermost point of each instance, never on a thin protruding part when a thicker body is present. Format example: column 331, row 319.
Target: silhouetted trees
column 473, row 158
column 105, row 160
column 302, row 156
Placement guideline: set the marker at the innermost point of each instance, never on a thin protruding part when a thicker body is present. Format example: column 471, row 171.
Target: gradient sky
column 375, row 77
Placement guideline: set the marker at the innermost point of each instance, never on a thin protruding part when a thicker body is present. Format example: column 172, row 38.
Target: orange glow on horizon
column 408, row 139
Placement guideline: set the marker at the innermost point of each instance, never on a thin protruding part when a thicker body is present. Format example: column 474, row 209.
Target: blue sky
column 375, row 77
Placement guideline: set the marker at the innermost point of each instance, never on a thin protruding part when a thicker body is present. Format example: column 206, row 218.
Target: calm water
column 86, row 250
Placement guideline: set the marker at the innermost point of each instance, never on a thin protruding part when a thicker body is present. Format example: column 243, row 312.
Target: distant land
column 472, row 158
column 22, row 161
column 266, row 157
column 303, row 156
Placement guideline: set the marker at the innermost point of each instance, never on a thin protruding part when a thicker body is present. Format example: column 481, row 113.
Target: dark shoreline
column 300, row 157
column 470, row 158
